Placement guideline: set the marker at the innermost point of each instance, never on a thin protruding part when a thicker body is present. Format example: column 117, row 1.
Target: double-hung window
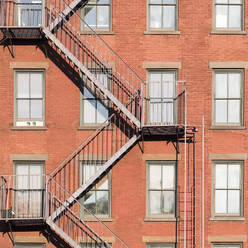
column 29, row 98
column 162, row 14
column 228, row 97
column 29, row 189
column 228, row 14
column 98, row 199
column 161, row 189
column 97, row 14
column 228, row 188
column 94, row 108
column 161, row 97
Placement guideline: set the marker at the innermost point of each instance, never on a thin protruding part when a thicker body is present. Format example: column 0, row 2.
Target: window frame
column 242, row 17
column 238, row 162
column 227, row 71
column 91, row 3
column 31, row 245
column 160, row 163
column 42, row 190
column 82, row 99
column 109, row 176
column 160, row 244
column 175, row 114
column 226, row 244
column 161, row 29
column 30, row 120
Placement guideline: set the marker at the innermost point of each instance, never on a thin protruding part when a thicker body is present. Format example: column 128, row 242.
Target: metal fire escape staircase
column 65, row 189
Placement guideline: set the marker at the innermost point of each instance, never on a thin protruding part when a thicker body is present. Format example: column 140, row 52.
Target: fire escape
column 55, row 209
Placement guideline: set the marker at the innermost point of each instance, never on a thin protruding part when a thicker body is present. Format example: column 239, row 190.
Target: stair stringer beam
column 96, row 176
column 92, row 78
column 62, row 234
column 71, row 8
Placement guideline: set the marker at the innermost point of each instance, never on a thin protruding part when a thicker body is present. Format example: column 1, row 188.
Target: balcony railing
column 21, row 14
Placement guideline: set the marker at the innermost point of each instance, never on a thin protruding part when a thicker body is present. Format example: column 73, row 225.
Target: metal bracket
column 11, row 235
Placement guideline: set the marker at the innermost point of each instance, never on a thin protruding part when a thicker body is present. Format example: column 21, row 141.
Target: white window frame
column 92, row 3
column 161, row 164
column 29, row 122
column 149, row 102
column 83, row 212
column 231, row 162
column 162, row 29
column 227, row 28
column 227, row 71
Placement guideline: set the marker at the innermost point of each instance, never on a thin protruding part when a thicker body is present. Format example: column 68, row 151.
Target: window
column 29, row 189
column 229, row 14
column 29, row 98
column 160, row 245
column 228, row 97
column 161, row 95
column 227, row 245
column 29, row 245
column 228, row 188
column 97, row 14
column 162, row 14
column 161, row 189
column 98, row 199
column 94, row 110
column 29, row 12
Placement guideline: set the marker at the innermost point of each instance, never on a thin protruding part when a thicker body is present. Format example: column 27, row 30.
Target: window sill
column 103, row 219
column 227, row 218
column 228, row 32
column 93, row 127
column 19, row 128
column 214, row 127
column 100, row 32
column 162, row 32
column 160, row 219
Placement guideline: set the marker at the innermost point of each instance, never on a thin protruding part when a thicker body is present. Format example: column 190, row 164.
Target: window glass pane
column 168, row 177
column 233, row 201
column 36, row 109
column 103, row 1
column 103, row 17
column 233, row 176
column 90, row 202
column 221, row 85
column 155, row 111
column 169, row 201
column 234, row 17
column 102, row 202
column 169, row 1
column 221, row 1
column 235, row 1
column 87, row 94
column 89, row 170
column 168, row 112
column 156, row 1
column 234, row 80
column 234, row 111
column 36, row 176
column 22, row 85
column 155, row 89
column 220, row 201
column 155, row 177
column 168, row 80
column 90, row 16
column 102, row 113
column 22, row 173
column 103, row 78
column 89, row 114
column 221, row 176
column 36, row 85
column 155, row 202
column 221, row 111
column 103, row 184
column 221, row 16
column 169, row 17
column 23, row 109
column 155, row 16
